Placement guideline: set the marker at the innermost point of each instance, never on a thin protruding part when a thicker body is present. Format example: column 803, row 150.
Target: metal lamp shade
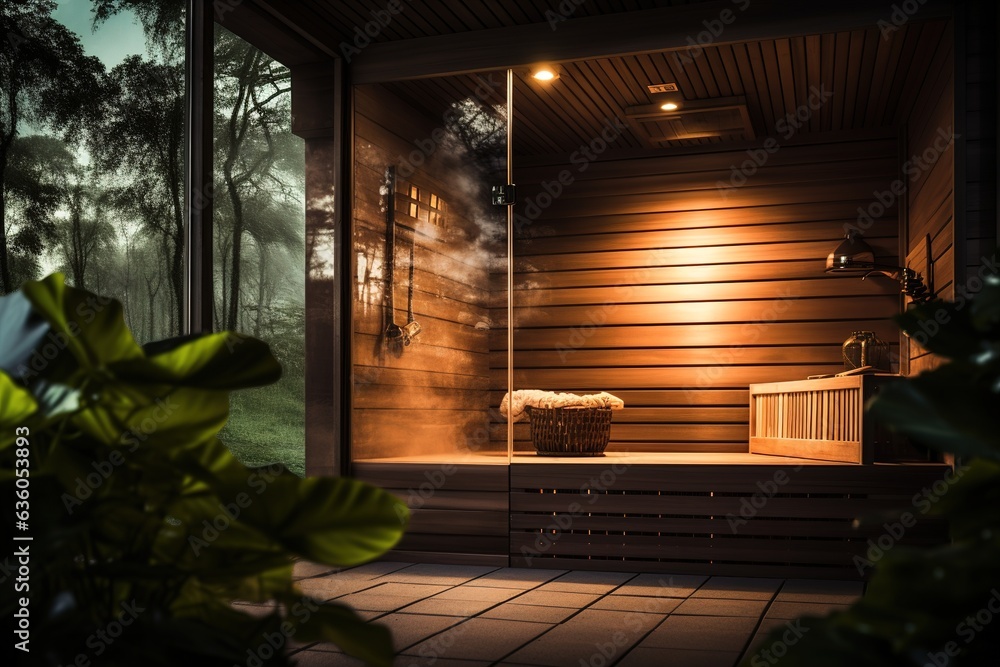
column 853, row 255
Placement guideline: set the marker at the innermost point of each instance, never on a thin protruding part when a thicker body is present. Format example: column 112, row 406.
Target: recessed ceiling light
column 669, row 101
column 544, row 73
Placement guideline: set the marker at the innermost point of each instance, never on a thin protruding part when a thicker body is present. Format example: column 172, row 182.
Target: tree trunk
column 261, row 275
column 77, row 251
column 236, row 133
column 5, row 286
column 151, row 295
column 177, row 251
column 13, row 90
column 5, row 279
column 234, row 282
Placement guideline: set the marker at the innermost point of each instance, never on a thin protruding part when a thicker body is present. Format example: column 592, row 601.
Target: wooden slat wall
column 433, row 396
column 459, row 513
column 929, row 171
column 647, row 280
column 742, row 520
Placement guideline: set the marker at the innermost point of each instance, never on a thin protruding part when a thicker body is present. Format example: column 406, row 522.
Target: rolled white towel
column 537, row 398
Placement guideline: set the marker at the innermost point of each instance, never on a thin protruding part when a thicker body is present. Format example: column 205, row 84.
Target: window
column 259, row 216
column 92, row 154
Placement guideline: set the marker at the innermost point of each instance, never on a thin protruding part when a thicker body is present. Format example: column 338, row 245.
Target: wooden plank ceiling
column 873, row 77
column 871, row 82
column 430, row 18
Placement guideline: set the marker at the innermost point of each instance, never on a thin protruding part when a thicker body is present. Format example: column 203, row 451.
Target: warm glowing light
column 669, row 106
column 544, row 74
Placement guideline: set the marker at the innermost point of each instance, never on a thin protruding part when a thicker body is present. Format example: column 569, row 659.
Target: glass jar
column 864, row 348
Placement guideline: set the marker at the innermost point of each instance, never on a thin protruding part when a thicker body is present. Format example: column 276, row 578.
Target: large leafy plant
column 933, row 606
column 145, row 528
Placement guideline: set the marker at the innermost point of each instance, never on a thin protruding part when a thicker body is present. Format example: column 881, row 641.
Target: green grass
column 268, row 425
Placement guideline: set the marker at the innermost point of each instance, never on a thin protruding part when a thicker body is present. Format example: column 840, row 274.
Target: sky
column 119, row 37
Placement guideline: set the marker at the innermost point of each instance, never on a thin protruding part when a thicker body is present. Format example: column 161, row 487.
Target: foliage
column 927, row 606
column 45, row 78
column 37, row 170
column 259, row 165
column 139, row 146
column 136, row 505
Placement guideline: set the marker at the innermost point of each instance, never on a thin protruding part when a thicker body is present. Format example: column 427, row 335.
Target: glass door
column 430, row 272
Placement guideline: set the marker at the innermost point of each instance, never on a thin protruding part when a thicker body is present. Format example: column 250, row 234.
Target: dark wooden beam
column 199, row 293
column 680, row 27
column 305, row 34
column 257, row 24
column 318, row 111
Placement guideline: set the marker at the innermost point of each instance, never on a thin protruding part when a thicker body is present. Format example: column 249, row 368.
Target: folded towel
column 536, row 398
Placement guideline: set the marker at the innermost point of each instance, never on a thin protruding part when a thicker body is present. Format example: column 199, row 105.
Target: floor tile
column 518, row 577
column 303, row 569
column 770, row 623
column 738, row 588
column 647, row 605
column 325, row 659
column 373, row 570
column 425, row 573
column 528, row 612
column 817, row 590
column 321, row 659
column 587, row 582
column 557, row 599
column 437, row 606
column 648, row 657
column 326, row 588
column 661, row 585
column 630, row 621
column 787, row 610
column 587, row 637
column 701, row 633
column 432, row 661
column 409, row 590
column 479, row 639
column 720, row 607
column 409, row 629
column 369, row 602
column 472, row 616
column 469, row 592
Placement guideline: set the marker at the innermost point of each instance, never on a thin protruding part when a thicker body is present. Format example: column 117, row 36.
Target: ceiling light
column 670, row 101
column 544, row 73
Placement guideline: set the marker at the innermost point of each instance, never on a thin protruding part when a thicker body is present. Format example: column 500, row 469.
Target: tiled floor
column 465, row 616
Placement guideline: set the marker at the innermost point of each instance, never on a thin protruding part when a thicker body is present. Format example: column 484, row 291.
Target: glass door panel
column 430, row 271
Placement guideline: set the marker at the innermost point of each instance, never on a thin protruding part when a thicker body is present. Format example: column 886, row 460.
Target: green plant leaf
column 212, row 361
column 16, row 406
column 986, row 307
column 338, row 624
column 937, row 409
column 336, row 521
column 181, row 417
column 923, row 323
column 92, row 328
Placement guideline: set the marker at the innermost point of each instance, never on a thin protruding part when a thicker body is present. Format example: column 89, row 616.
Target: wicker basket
column 570, row 431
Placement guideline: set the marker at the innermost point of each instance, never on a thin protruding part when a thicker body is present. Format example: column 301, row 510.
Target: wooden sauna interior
column 681, row 265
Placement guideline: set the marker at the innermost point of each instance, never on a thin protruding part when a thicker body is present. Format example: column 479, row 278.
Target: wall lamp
column 854, row 256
